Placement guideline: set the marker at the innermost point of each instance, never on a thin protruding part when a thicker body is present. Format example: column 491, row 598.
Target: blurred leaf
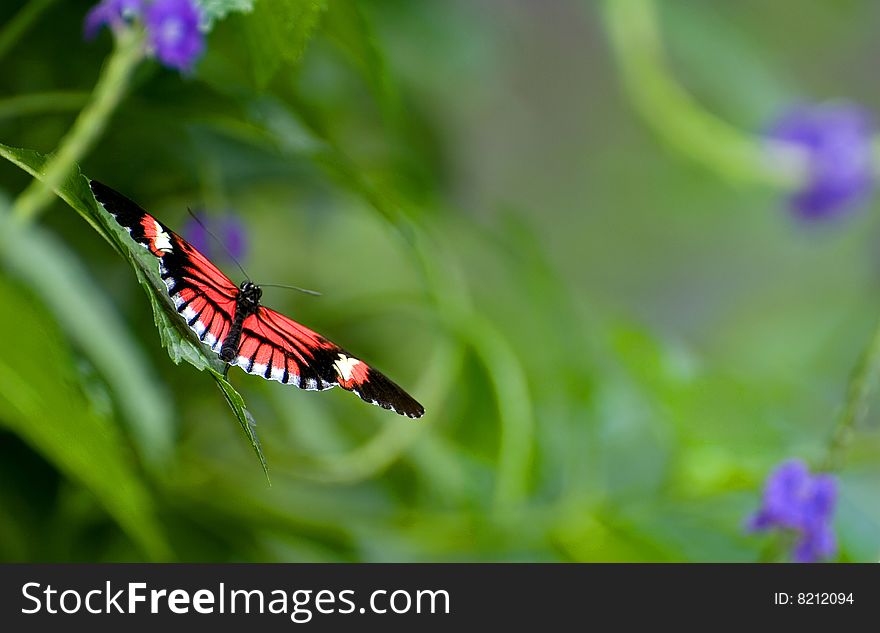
column 213, row 10
column 295, row 133
column 277, row 33
column 39, row 401
column 347, row 26
column 82, row 310
column 178, row 339
column 42, row 102
column 515, row 411
column 14, row 29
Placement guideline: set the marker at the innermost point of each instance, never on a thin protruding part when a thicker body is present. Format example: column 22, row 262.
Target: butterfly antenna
column 220, row 242
column 305, row 291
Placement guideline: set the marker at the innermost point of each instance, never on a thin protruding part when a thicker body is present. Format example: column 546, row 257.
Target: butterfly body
column 233, row 323
column 247, row 302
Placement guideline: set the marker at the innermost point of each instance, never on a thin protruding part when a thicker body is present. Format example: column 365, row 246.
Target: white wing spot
column 345, row 365
column 188, row 313
column 277, row 373
column 198, row 327
column 162, row 242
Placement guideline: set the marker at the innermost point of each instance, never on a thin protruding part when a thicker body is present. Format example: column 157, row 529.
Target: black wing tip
column 402, row 404
column 98, row 187
column 378, row 389
column 415, row 411
column 126, row 211
column 106, row 195
column 409, row 408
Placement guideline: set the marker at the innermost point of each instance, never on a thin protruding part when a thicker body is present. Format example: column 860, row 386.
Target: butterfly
column 231, row 321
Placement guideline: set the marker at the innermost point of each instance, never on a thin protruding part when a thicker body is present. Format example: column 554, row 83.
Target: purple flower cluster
column 836, row 141
column 173, row 33
column 228, row 230
column 803, row 503
column 173, row 28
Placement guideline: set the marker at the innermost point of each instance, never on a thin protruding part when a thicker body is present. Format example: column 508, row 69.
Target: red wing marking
column 278, row 348
column 202, row 295
column 199, row 270
column 156, row 236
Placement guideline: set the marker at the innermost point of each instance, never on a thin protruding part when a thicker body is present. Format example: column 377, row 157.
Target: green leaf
column 277, row 32
column 213, row 10
column 245, row 419
column 39, row 400
column 179, row 340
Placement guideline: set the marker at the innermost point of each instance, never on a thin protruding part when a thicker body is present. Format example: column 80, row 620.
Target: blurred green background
column 614, row 344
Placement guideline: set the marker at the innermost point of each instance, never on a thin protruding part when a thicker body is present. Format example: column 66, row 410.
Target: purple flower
column 797, row 501
column 112, row 12
column 173, row 31
column 228, row 230
column 836, row 141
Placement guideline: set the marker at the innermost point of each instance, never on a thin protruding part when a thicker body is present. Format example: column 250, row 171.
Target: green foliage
column 93, row 325
column 349, row 28
column 39, row 400
column 612, row 347
column 175, row 336
column 277, row 33
column 214, row 10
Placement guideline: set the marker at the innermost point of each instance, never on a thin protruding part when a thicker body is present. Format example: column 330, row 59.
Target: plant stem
column 111, row 86
column 861, row 385
column 677, row 117
column 21, row 22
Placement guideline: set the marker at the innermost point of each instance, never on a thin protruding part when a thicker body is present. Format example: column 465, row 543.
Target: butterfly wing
column 278, row 348
column 202, row 295
column 271, row 345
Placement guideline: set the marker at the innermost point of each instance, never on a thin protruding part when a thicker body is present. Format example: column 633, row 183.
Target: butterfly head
column 250, row 294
